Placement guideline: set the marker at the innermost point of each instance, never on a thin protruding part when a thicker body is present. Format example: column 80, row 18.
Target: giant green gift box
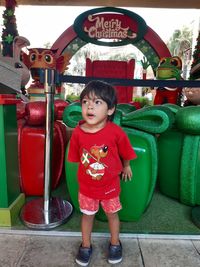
column 179, row 157
column 136, row 194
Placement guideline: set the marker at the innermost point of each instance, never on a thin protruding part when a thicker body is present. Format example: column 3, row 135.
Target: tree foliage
column 180, row 41
column 195, row 66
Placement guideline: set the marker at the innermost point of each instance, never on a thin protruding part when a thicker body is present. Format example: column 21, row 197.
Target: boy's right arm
column 73, row 152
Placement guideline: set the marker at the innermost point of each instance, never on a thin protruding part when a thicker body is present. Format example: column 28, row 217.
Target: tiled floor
column 51, row 250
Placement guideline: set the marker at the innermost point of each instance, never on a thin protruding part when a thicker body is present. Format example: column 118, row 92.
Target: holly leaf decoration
column 10, row 12
column 9, row 38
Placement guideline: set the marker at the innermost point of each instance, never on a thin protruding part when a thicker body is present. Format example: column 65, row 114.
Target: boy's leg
column 86, row 228
column 111, row 208
column 114, row 226
column 85, row 250
column 115, row 246
column 88, row 207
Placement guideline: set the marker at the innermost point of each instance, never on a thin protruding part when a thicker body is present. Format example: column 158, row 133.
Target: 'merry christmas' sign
column 121, row 26
column 109, row 29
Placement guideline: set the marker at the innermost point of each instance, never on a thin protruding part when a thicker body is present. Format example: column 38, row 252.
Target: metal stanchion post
column 49, row 92
column 47, row 212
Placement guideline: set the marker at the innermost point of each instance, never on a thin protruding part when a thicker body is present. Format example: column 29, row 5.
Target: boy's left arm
column 126, row 171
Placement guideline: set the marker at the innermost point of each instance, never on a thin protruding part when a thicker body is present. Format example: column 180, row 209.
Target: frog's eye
column 162, row 61
column 176, row 62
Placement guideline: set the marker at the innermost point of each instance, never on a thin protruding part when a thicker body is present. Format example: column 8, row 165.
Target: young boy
column 104, row 152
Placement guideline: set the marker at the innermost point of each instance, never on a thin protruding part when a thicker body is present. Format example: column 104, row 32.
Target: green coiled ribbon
column 72, row 114
column 174, row 108
column 152, row 119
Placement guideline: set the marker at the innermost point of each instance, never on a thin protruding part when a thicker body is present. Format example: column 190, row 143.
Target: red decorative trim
column 157, row 43
column 64, row 40
column 151, row 37
column 9, row 100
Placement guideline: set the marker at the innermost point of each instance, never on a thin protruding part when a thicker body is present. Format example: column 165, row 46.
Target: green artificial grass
column 164, row 215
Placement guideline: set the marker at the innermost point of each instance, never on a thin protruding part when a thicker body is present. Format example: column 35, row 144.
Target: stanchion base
column 34, row 216
column 196, row 216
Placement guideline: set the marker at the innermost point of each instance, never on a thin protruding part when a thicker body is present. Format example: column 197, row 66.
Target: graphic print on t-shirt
column 92, row 161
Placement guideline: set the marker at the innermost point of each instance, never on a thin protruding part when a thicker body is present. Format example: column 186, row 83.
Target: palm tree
column 180, row 44
column 179, row 36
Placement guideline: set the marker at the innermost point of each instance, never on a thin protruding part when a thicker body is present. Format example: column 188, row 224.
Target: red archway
column 151, row 37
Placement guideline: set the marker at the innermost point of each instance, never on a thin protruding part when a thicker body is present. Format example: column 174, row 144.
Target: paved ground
column 34, row 250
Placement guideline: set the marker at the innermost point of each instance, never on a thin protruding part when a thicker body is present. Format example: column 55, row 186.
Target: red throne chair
column 31, row 145
column 113, row 69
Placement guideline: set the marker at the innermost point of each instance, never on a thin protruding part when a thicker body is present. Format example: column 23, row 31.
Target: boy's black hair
column 102, row 90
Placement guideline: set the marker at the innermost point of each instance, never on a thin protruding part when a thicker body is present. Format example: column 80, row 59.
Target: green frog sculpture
column 169, row 68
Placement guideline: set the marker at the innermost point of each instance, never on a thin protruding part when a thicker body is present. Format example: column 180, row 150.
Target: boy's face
column 95, row 110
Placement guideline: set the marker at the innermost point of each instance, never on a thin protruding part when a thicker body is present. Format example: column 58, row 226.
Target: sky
column 43, row 24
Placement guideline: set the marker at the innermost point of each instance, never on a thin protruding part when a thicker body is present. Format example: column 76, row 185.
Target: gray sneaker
column 84, row 255
column 115, row 253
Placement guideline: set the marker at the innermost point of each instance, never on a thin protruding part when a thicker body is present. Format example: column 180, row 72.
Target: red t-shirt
column 99, row 155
